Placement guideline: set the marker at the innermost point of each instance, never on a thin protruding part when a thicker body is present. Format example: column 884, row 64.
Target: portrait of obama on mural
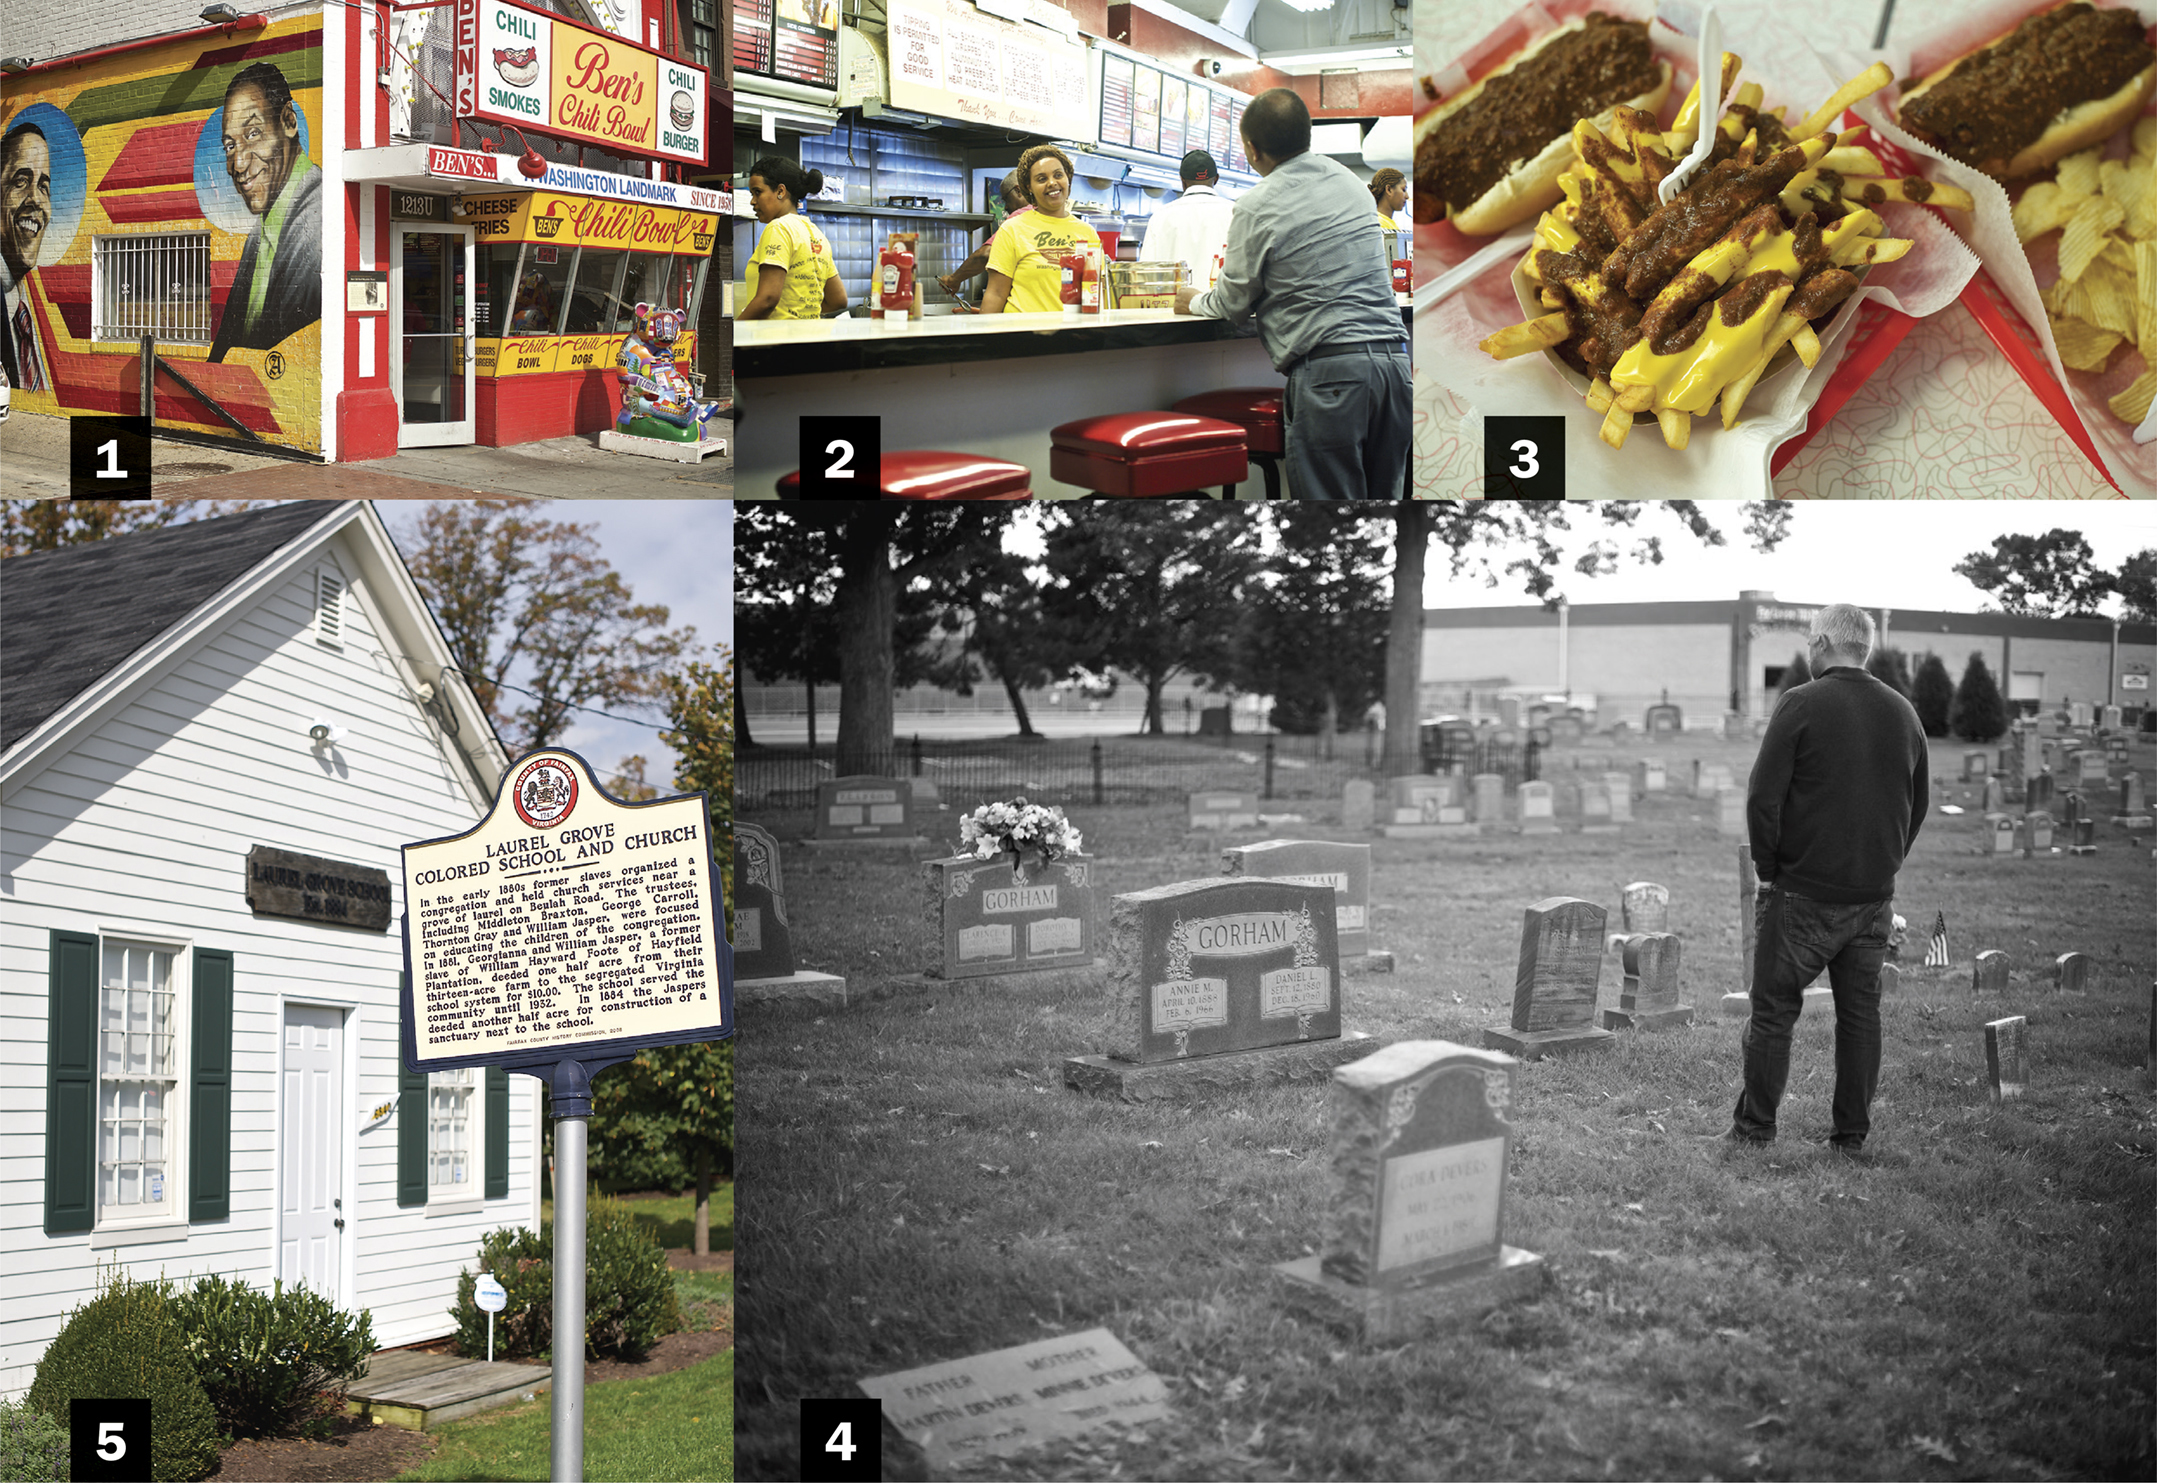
column 277, row 288
column 25, row 212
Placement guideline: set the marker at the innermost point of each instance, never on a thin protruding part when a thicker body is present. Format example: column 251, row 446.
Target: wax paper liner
column 1717, row 463
column 2018, row 271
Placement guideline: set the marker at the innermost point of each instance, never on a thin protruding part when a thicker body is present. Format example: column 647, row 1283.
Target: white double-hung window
column 138, row 1068
column 452, row 1128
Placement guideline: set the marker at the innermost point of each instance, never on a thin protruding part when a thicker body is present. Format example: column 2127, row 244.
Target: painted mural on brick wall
column 174, row 191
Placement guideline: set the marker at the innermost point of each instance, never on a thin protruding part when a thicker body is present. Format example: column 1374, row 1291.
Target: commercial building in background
column 345, row 229
column 1715, row 658
column 204, row 793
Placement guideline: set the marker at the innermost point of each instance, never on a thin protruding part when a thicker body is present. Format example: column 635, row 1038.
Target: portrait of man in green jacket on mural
column 277, row 288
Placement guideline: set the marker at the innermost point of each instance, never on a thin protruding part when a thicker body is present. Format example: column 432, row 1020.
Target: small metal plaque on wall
column 309, row 888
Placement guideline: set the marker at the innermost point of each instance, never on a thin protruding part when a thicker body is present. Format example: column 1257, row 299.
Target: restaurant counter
column 990, row 384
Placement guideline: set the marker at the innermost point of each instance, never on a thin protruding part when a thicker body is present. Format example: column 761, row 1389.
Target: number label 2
column 841, row 457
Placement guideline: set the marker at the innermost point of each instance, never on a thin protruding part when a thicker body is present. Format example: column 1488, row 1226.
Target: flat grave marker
column 963, row 1412
column 866, row 810
column 1554, row 988
column 2006, row 1064
column 1414, row 1231
column 765, row 968
column 1220, row 809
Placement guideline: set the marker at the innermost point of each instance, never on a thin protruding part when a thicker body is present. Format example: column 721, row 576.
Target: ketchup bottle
column 1404, row 275
column 1073, row 267
column 895, row 287
column 1090, row 282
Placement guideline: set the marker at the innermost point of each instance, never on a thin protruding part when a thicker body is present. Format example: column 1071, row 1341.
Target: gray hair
column 1846, row 629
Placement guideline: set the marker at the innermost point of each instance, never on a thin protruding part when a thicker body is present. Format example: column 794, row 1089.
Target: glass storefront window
column 497, row 277
column 594, row 304
column 652, row 279
column 542, row 288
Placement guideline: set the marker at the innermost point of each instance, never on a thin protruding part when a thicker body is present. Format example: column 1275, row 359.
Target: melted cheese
column 1692, row 378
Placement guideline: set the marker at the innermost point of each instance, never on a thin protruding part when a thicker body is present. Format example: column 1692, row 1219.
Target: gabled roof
column 72, row 615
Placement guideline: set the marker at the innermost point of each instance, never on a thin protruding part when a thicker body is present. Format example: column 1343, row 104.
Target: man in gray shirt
column 1303, row 258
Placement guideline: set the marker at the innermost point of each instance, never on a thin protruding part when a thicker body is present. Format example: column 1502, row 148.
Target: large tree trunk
column 1018, row 708
column 868, row 605
column 1404, row 642
column 703, row 1245
column 1151, row 725
column 812, row 716
column 741, row 715
column 1328, row 724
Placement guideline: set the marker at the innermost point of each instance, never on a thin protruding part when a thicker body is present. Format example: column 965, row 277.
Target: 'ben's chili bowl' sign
column 566, row 920
column 523, row 66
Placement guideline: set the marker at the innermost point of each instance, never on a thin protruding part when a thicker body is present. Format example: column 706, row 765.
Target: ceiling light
column 1399, row 53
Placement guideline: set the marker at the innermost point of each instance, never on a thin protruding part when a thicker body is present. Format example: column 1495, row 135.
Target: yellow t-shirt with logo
column 1392, row 231
column 794, row 243
column 1029, row 250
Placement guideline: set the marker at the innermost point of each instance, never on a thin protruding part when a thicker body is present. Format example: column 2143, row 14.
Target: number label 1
column 842, row 1437
column 841, row 457
column 108, row 457
column 108, row 1438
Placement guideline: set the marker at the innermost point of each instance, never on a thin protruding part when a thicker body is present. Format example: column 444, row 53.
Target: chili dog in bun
column 2061, row 81
column 1489, row 157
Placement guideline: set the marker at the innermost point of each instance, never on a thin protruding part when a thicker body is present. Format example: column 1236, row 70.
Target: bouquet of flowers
column 1020, row 829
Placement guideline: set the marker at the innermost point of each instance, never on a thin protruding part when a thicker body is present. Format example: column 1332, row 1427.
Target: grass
column 673, row 1426
column 1982, row 1303
column 672, row 1218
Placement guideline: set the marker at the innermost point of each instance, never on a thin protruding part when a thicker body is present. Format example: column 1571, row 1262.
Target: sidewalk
column 34, row 452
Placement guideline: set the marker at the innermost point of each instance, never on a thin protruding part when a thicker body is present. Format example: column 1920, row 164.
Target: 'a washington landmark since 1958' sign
column 565, row 921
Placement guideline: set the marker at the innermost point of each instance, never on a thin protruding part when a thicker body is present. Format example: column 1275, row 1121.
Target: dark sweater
column 1839, row 789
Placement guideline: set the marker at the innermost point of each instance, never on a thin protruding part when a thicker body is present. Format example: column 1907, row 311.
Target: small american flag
column 1936, row 950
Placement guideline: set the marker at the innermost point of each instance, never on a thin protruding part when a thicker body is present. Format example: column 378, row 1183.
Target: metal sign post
column 560, row 935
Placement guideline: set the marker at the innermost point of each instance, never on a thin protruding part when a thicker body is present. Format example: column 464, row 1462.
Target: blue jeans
column 1794, row 938
column 1347, row 423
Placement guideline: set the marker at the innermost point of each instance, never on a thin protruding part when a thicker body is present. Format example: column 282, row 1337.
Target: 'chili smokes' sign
column 517, row 65
column 566, row 921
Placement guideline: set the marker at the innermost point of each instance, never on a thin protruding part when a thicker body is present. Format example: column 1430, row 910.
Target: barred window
column 157, row 284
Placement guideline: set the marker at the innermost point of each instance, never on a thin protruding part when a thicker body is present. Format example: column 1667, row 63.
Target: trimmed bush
column 1979, row 714
column 1892, row 668
column 1933, row 694
column 274, row 1364
column 629, row 1300
column 33, row 1448
column 126, row 1343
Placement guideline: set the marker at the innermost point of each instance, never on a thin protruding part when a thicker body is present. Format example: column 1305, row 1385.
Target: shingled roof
column 73, row 615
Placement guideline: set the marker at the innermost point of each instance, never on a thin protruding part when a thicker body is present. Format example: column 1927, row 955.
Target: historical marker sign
column 566, row 925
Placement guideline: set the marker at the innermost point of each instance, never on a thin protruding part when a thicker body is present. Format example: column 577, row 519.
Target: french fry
column 1864, row 85
column 1808, row 346
column 1618, row 421
column 1600, row 396
column 1677, row 426
column 1525, row 339
column 1734, row 395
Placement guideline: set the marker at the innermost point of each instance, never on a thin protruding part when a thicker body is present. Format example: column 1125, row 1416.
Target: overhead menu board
column 950, row 60
column 1146, row 111
column 1218, row 106
column 794, row 40
column 1173, row 93
column 1198, row 103
column 1237, row 160
column 1166, row 115
column 1116, row 100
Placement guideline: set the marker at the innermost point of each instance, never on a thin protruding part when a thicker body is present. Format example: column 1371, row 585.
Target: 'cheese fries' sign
column 566, row 921
column 517, row 65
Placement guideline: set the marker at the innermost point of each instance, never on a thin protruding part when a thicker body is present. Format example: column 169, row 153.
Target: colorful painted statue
column 658, row 399
column 533, row 313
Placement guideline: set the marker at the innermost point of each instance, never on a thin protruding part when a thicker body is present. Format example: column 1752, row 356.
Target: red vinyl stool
column 1255, row 409
column 924, row 474
column 1143, row 455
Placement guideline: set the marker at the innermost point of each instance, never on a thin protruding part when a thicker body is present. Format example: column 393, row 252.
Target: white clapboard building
column 213, row 739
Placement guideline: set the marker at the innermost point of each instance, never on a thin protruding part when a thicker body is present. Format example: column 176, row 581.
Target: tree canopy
column 2054, row 575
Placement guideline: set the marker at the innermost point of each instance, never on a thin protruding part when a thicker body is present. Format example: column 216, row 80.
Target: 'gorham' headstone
column 1220, row 809
column 1537, row 811
column 1989, row 974
column 1314, row 862
column 866, row 810
column 2005, row 1066
column 1561, row 960
column 764, row 966
column 1359, row 805
column 1214, row 984
column 1414, row 1230
column 986, row 922
column 2072, row 970
column 1644, row 906
column 1649, row 999
column 968, row 1411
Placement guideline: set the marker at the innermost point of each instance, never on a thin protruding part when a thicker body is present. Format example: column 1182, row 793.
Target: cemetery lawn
column 673, row 1426
column 1980, row 1300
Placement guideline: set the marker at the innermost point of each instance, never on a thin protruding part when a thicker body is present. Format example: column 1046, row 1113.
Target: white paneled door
column 310, row 1160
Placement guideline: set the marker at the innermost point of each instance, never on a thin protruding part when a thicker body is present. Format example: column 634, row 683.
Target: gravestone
column 1710, row 778
column 2005, row 1066
column 1621, row 731
column 1416, row 799
column 1644, row 906
column 1974, row 767
column 1223, row 810
column 1566, row 730
column 1739, row 1005
column 1619, row 786
column 926, row 799
column 1890, row 978
column 1415, row 1218
column 1509, row 710
column 1651, row 776
column 1359, row 809
column 966, row 1412
column 2090, row 767
column 2080, row 714
column 866, row 810
column 1730, row 814
column 2085, row 838
column 2070, row 811
column 765, row 969
column 2037, row 791
column 2072, row 970
column 1344, row 868
column 1989, row 974
column 2109, row 718
column 1554, row 985
column 984, row 922
column 1216, row 984
column 1489, row 798
column 1999, row 835
column 2115, row 748
column 1537, row 815
column 1664, row 720
column 2036, row 835
column 1649, row 998
column 1995, row 795
column 1595, row 808
column 2133, row 811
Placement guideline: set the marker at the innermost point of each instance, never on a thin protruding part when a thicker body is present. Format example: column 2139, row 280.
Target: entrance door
column 431, row 305
column 310, row 1158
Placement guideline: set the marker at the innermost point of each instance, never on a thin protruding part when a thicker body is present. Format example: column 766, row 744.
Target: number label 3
column 1524, row 458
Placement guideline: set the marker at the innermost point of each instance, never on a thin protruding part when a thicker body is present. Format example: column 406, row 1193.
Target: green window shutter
column 209, row 1122
column 497, row 1133
column 411, row 1134
column 71, row 1084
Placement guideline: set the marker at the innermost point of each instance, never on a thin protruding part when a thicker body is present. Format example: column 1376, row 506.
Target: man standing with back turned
column 1302, row 258
column 1837, row 796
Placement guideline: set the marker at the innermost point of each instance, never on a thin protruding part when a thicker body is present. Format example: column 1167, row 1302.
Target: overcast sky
column 679, row 553
column 1875, row 553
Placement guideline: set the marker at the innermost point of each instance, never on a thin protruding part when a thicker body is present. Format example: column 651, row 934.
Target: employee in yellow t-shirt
column 1389, row 189
column 1026, row 260
column 791, row 274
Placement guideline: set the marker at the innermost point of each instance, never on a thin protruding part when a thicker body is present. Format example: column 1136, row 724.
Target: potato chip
column 2133, row 404
column 2145, row 135
column 2146, row 298
column 2041, row 209
column 2111, row 298
column 2083, row 346
column 2084, row 237
column 2079, row 173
